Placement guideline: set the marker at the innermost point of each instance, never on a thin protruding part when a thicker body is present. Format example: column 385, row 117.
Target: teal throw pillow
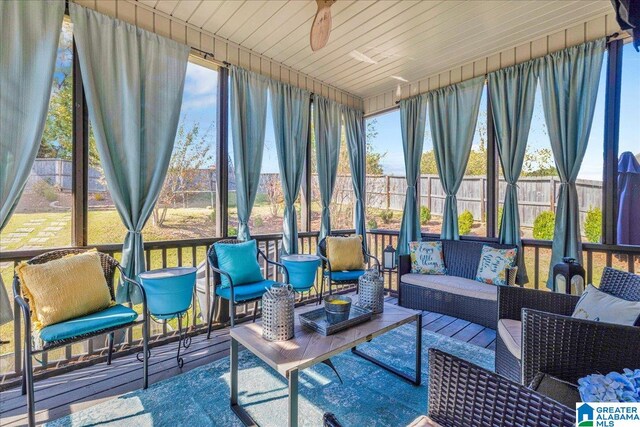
column 239, row 260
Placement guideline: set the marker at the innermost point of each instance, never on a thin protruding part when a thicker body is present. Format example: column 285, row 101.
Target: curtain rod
column 610, row 38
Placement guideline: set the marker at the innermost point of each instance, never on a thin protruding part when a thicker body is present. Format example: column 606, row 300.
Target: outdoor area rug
column 370, row 396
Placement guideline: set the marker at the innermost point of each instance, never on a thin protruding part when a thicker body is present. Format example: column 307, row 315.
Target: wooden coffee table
column 309, row 348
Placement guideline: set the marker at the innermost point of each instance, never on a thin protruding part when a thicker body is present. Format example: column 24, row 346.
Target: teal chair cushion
column 240, row 261
column 245, row 292
column 117, row 315
column 345, row 276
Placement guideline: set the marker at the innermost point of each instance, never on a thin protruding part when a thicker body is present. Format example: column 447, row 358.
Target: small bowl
column 337, row 308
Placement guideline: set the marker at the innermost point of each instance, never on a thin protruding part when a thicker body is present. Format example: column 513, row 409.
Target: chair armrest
column 224, row 273
column 512, row 299
column 369, row 256
column 511, row 275
column 570, row 349
column 282, row 266
column 464, row 394
column 404, row 265
column 137, row 284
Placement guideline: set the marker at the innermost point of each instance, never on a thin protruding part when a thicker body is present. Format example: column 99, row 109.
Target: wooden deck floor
column 71, row 392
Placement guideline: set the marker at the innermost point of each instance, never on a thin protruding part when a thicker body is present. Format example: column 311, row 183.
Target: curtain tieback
column 514, row 184
column 138, row 233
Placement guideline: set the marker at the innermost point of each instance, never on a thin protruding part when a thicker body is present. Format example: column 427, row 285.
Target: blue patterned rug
column 370, row 396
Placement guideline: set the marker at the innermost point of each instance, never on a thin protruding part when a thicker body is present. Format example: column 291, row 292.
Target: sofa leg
column 255, row 311
column 212, row 309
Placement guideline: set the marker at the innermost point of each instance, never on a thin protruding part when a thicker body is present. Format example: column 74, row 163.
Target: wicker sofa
column 462, row 394
column 536, row 333
column 456, row 294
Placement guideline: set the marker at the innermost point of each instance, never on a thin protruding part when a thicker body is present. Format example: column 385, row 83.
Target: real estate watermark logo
column 607, row 414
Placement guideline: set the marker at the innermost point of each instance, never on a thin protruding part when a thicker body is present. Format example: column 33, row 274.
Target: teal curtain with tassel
column 133, row 81
column 512, row 92
column 355, row 136
column 248, row 121
column 413, row 116
column 327, row 122
column 569, row 84
column 453, row 113
column 29, row 33
column 290, row 108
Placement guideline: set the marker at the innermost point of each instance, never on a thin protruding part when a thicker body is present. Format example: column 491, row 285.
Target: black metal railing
column 193, row 253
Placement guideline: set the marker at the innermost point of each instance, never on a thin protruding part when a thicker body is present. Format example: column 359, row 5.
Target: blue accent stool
column 245, row 292
column 116, row 315
column 302, row 270
column 169, row 294
column 345, row 276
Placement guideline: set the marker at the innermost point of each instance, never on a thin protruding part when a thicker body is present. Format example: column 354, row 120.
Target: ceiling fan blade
column 321, row 27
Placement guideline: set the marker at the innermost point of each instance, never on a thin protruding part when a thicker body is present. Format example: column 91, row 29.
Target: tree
column 539, row 163
column 273, row 188
column 191, row 154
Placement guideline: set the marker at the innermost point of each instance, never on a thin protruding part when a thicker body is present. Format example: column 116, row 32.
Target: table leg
column 417, row 379
column 293, row 398
column 235, row 406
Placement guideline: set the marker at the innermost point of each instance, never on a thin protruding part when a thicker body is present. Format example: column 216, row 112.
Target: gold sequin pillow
column 64, row 288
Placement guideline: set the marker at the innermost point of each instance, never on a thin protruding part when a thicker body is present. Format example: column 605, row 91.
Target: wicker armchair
column 462, row 394
column 555, row 343
column 109, row 266
column 340, row 277
column 234, row 293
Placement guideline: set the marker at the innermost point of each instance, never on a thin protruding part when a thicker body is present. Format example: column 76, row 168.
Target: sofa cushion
column 453, row 284
column 423, row 421
column 117, row 315
column 245, row 292
column 511, row 333
column 345, row 276
column 64, row 288
column 427, row 257
column 602, row 307
column 493, row 265
column 240, row 261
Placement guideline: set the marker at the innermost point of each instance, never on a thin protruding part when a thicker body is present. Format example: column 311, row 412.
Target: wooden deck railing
column 193, row 253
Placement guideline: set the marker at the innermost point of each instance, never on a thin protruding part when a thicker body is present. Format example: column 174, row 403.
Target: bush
column 425, row 215
column 465, row 222
column 212, row 216
column 232, row 231
column 543, row 225
column 98, row 197
column 593, row 225
column 386, row 216
column 258, row 221
column 372, row 224
column 45, row 189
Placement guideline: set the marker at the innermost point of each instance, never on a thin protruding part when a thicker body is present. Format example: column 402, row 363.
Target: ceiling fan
column 321, row 27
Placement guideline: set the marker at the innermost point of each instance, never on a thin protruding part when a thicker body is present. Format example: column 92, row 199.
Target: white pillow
column 492, row 265
column 601, row 307
column 427, row 257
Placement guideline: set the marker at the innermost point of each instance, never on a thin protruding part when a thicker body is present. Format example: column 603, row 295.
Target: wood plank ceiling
column 376, row 45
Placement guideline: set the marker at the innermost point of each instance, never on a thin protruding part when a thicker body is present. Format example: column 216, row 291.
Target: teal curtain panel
column 29, row 33
column 327, row 121
column 413, row 116
column 248, row 117
column 357, row 144
column 512, row 92
column 569, row 85
column 133, row 81
column 453, row 113
column 291, row 109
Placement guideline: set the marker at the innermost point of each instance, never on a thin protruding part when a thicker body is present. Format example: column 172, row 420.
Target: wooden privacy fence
column 535, row 194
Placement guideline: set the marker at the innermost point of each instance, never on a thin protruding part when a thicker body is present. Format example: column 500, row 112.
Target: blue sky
column 199, row 105
column 389, row 139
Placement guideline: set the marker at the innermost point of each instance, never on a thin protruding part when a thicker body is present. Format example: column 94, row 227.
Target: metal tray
column 317, row 320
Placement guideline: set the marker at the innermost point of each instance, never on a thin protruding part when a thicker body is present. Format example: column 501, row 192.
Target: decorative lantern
column 277, row 313
column 389, row 258
column 568, row 275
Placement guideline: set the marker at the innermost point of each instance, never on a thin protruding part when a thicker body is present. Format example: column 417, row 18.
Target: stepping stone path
column 53, row 229
column 25, row 229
